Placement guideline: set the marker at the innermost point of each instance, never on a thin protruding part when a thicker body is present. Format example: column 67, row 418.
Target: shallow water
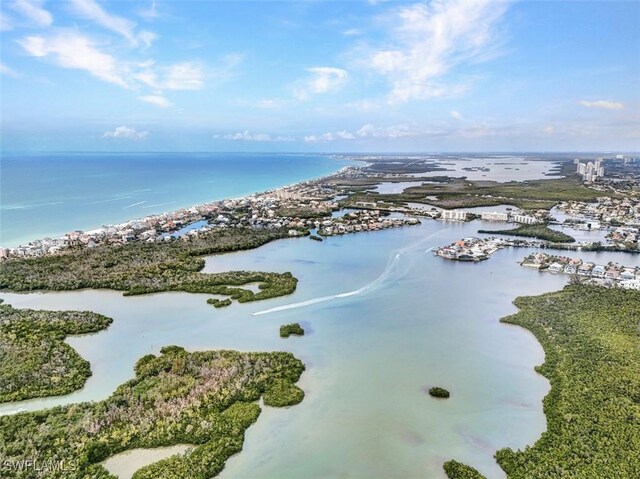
column 411, row 321
column 389, row 187
column 500, row 169
column 125, row 464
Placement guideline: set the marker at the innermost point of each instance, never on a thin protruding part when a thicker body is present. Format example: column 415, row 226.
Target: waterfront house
column 570, row 269
column 555, row 268
column 613, row 274
column 585, row 269
column 627, row 274
column 598, row 271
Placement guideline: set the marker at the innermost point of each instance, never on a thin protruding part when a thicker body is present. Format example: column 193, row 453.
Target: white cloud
column 457, row 115
column 32, row 9
column 183, row 76
column 157, row 100
column 91, row 10
column 247, row 136
column 428, row 40
column 345, row 135
column 126, row 133
column 71, row 50
column 322, row 80
column 605, row 104
column 150, row 13
column 5, row 70
column 351, row 32
column 369, row 131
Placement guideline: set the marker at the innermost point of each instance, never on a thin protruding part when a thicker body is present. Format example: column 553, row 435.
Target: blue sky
column 457, row 75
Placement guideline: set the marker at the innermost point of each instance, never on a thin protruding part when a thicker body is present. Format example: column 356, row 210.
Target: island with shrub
column 287, row 330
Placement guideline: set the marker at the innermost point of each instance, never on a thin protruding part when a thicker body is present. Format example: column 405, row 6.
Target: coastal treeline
column 34, row 359
column 539, row 231
column 207, row 399
column 591, row 339
column 139, row 267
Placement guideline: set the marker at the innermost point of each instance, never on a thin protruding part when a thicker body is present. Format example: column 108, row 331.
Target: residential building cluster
column 624, row 276
column 262, row 210
column 472, row 249
column 300, row 207
column 354, row 222
column 607, row 210
column 627, row 237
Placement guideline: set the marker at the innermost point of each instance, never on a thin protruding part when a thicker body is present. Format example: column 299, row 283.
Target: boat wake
column 392, row 272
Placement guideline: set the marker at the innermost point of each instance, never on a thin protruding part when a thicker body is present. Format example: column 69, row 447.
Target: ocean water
column 51, row 194
column 385, row 319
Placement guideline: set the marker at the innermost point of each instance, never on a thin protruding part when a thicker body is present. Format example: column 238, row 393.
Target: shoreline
column 173, row 213
column 59, row 235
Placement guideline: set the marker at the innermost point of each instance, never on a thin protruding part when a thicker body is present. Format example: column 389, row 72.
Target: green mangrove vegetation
column 591, row 339
column 287, row 330
column 219, row 303
column 438, row 392
column 457, row 470
column 34, row 359
column 283, row 393
column 207, row 399
column 140, row 268
column 538, row 231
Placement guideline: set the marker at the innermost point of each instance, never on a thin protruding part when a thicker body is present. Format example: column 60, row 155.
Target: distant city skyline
column 377, row 76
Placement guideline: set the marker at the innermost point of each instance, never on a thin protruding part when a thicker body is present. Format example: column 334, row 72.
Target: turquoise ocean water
column 54, row 193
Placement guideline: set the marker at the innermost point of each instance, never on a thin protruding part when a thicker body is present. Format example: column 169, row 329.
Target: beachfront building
column 494, row 216
column 455, row 215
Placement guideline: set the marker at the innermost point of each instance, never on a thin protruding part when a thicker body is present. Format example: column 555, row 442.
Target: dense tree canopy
column 207, row 399
column 34, row 359
column 139, row 268
column 591, row 339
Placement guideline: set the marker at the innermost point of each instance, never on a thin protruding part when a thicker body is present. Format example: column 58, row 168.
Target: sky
column 319, row 76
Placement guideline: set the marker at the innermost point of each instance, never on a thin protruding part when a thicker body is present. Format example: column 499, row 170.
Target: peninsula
column 591, row 341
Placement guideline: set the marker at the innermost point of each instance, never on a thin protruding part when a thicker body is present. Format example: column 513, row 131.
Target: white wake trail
column 391, row 270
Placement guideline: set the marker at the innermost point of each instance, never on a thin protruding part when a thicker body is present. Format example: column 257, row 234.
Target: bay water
column 392, row 321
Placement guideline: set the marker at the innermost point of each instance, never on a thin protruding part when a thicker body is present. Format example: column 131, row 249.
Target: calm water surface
column 414, row 321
